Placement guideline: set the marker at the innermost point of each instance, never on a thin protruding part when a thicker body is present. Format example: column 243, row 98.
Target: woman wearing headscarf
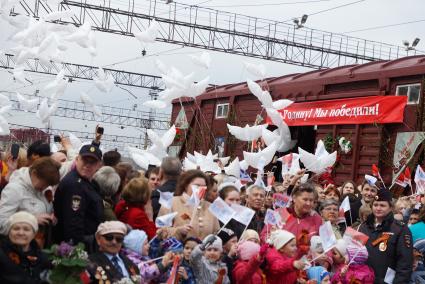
column 21, row 259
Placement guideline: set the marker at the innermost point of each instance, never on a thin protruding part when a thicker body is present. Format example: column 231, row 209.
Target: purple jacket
column 359, row 272
column 148, row 271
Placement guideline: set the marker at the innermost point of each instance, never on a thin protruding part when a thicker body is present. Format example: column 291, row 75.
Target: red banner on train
column 364, row 110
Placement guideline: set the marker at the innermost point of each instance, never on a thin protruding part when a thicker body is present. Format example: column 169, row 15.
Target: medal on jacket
column 382, row 246
column 382, row 241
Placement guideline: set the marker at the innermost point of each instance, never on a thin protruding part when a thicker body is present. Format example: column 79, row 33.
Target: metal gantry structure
column 108, row 141
column 85, row 72
column 123, row 117
column 216, row 30
column 112, row 115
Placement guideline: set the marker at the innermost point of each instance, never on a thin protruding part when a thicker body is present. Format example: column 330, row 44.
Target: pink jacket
column 295, row 225
column 279, row 268
column 248, row 272
column 360, row 272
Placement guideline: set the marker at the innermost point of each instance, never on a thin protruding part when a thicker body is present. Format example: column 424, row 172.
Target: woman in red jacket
column 131, row 209
column 246, row 269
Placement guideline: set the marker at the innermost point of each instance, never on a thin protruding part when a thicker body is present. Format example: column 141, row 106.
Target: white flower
column 345, row 145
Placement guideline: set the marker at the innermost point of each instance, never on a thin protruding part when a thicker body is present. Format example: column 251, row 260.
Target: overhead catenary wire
column 384, row 26
column 336, row 7
column 266, row 4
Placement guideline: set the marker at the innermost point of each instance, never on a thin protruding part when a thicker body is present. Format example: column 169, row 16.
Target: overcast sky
column 362, row 16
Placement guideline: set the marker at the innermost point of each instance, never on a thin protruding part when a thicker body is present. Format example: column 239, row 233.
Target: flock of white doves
column 47, row 41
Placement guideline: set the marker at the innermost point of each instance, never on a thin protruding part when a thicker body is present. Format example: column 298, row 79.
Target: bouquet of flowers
column 345, row 145
column 69, row 263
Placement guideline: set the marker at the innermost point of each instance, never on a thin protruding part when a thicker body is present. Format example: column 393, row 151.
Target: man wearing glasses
column 78, row 205
column 108, row 264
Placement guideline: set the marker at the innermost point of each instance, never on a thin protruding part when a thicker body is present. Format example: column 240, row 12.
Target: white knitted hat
column 217, row 244
column 341, row 246
column 280, row 238
column 22, row 217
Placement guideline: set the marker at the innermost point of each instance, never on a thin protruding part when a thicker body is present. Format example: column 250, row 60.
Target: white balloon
column 320, row 161
column 149, row 35
column 247, row 133
column 204, row 60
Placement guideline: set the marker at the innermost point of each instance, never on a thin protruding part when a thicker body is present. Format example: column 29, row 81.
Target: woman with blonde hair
column 8, row 165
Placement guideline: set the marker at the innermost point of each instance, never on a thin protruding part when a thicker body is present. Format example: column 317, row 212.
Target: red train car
column 372, row 143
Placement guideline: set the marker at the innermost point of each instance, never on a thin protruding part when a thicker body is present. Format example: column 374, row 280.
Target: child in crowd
column 281, row 266
column 247, row 268
column 356, row 271
column 230, row 244
column 250, row 235
column 339, row 255
column 136, row 248
column 206, row 262
column 413, row 217
column 185, row 269
column 318, row 275
column 316, row 253
column 364, row 211
column 400, row 209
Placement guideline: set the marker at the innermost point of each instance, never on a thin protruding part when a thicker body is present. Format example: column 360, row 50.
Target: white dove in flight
column 204, row 60
column 258, row 159
column 44, row 111
column 265, row 98
column 320, row 161
column 234, row 168
column 26, row 104
column 57, row 87
column 149, row 35
column 85, row 98
column 247, row 133
column 258, row 70
column 103, row 82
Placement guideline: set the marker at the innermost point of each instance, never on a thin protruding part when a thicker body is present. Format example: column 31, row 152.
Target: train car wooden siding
column 372, row 143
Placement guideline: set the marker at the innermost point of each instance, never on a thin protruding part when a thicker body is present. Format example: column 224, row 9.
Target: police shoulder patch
column 76, row 202
column 407, row 240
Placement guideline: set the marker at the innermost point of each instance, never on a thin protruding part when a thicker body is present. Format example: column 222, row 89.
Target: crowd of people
column 89, row 197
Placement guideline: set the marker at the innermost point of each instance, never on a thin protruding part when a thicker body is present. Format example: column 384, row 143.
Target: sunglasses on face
column 109, row 238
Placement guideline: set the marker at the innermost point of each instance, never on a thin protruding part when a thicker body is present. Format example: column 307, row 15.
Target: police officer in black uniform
column 390, row 241
column 78, row 205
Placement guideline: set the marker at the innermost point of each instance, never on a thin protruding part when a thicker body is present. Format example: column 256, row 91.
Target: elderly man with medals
column 390, row 242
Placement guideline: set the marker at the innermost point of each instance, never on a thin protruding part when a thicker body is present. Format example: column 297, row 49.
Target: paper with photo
column 272, row 218
column 243, row 214
column 221, row 210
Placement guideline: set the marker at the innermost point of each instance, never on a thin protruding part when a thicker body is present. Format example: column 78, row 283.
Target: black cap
column 384, row 195
column 91, row 151
column 226, row 234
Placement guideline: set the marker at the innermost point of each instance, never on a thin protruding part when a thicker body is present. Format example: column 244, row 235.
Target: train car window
column 412, row 91
column 222, row 110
